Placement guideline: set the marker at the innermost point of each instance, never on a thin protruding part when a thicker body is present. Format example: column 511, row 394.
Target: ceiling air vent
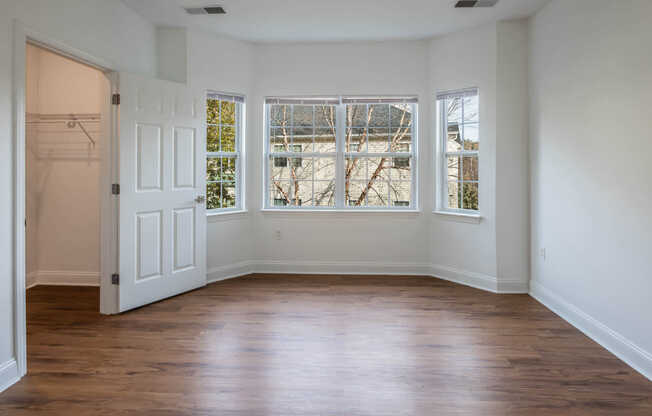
column 205, row 10
column 475, row 3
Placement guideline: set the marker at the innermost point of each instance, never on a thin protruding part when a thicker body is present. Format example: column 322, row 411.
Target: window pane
column 356, row 138
column 325, row 140
column 212, row 139
column 378, row 115
column 212, row 111
column 228, row 113
column 279, row 115
column 399, row 169
column 228, row 169
column 454, row 110
column 470, row 198
column 302, row 115
column 471, row 138
column 301, row 143
column 355, row 168
column 280, row 139
column 454, row 195
column 401, row 115
column 401, row 140
column 228, row 195
column 227, row 139
column 300, row 168
column 325, row 116
column 356, row 115
column 213, row 169
column 378, row 140
column 378, row 194
column 471, row 109
column 279, row 193
column 400, row 194
column 356, row 195
column 375, row 166
column 324, row 168
column 280, row 169
column 302, row 193
column 454, row 165
column 454, row 138
column 324, row 194
column 470, row 166
column 213, row 199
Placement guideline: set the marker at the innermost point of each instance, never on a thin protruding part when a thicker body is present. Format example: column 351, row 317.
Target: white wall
column 493, row 253
column 108, row 30
column 591, row 141
column 322, row 242
column 226, row 65
column 462, row 60
column 512, row 167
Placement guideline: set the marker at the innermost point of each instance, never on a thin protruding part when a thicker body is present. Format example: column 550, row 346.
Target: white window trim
column 441, row 193
column 340, row 155
column 239, row 154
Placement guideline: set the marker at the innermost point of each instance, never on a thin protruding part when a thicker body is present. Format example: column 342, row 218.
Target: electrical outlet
column 277, row 234
column 542, row 253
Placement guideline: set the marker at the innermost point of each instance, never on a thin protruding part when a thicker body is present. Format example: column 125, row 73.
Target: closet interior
column 65, row 125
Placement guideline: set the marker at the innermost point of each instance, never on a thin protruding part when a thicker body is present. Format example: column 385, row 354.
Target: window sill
column 226, row 215
column 459, row 216
column 340, row 212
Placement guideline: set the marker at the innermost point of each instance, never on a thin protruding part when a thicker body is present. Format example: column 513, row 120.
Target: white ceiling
column 331, row 20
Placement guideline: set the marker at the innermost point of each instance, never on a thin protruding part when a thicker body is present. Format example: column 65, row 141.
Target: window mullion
column 340, row 127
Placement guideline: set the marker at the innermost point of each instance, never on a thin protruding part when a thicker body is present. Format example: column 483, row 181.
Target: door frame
column 108, row 172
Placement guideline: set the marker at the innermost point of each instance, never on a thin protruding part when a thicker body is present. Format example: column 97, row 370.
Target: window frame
column 443, row 154
column 340, row 154
column 240, row 109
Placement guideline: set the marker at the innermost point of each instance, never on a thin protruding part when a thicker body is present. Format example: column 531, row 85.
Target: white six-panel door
column 162, row 182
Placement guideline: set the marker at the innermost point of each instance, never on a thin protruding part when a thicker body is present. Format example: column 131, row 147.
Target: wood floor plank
column 317, row 345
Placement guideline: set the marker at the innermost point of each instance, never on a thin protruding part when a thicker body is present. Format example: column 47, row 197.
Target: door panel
column 184, row 157
column 162, row 226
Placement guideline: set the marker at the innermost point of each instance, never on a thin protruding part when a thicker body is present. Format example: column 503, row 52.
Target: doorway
column 65, row 132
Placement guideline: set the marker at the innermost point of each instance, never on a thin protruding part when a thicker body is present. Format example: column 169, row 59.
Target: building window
column 459, row 150
column 343, row 152
column 224, row 114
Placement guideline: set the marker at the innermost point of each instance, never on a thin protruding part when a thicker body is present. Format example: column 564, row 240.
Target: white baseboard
column 8, row 374
column 341, row 267
column 513, row 286
column 63, row 278
column 476, row 280
column 31, row 280
column 621, row 347
column 216, row 274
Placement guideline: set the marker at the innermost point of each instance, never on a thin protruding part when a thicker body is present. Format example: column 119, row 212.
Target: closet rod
column 72, row 120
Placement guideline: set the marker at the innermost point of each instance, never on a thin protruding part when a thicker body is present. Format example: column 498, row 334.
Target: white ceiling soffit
column 331, row 20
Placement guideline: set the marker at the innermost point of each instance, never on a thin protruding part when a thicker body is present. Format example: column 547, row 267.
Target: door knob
column 200, row 199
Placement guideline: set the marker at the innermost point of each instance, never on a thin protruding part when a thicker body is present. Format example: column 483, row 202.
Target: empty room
column 301, row 207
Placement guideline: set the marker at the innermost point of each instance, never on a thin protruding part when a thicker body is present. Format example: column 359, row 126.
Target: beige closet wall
column 62, row 170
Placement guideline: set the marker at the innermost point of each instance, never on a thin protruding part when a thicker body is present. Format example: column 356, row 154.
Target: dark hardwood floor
column 317, row 345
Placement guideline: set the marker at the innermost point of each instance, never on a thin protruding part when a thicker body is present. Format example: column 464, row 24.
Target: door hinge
column 115, row 99
column 115, row 279
column 115, row 189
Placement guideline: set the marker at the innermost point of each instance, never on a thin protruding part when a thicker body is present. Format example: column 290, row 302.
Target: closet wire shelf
column 68, row 136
